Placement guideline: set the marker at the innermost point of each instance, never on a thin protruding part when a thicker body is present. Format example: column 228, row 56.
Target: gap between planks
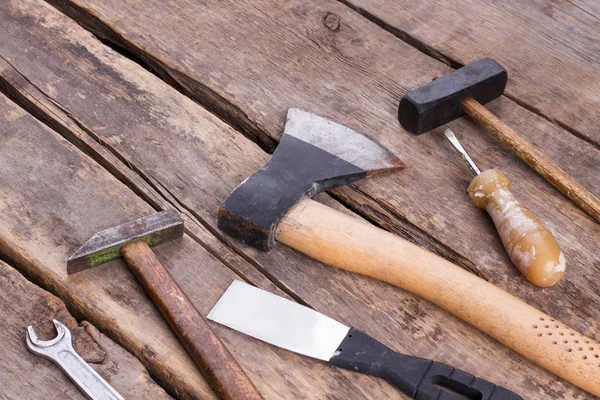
column 230, row 113
column 140, row 186
column 159, row 194
column 239, row 121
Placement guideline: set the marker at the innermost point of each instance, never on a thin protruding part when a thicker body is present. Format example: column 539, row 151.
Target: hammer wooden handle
column 530, row 246
column 354, row 245
column 536, row 160
column 208, row 352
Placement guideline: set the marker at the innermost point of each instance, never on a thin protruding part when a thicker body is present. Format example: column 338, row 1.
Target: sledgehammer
column 316, row 154
column 132, row 241
column 463, row 92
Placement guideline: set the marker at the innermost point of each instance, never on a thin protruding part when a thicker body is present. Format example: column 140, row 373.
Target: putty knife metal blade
column 278, row 321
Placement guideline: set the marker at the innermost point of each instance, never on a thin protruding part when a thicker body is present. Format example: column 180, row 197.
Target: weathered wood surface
column 54, row 198
column 24, row 375
column 250, row 62
column 550, row 49
column 87, row 91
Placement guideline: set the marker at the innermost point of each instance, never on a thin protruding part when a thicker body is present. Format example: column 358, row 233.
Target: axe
column 463, row 92
column 132, row 241
column 316, row 154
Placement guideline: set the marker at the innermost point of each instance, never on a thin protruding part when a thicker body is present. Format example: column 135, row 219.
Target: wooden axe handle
column 354, row 245
column 535, row 159
column 208, row 352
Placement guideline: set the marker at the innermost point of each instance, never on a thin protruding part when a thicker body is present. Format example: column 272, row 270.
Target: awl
column 530, row 246
column 283, row 323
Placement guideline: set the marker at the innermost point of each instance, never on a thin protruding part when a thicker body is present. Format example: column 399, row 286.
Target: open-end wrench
column 60, row 351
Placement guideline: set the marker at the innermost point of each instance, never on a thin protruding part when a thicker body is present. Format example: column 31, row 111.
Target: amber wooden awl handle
column 354, row 245
column 530, row 246
column 208, row 352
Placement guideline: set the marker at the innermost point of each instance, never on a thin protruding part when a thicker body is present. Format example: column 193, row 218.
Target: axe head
column 440, row 101
column 314, row 155
column 106, row 245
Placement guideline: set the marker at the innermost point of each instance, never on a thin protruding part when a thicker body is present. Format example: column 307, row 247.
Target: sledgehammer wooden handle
column 351, row 244
column 208, row 352
column 536, row 160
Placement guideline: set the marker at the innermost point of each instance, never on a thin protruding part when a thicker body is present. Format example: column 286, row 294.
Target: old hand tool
column 464, row 91
column 530, row 246
column 132, row 240
column 60, row 351
column 281, row 322
column 316, row 154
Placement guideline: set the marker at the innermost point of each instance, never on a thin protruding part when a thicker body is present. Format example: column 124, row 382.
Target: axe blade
column 314, row 155
column 106, row 245
column 340, row 141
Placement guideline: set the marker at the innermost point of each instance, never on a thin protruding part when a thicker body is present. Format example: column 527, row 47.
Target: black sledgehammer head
column 314, row 155
column 106, row 245
column 439, row 102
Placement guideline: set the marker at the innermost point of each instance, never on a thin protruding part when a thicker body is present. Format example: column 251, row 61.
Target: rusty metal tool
column 132, row 241
column 316, row 154
column 530, row 246
column 281, row 322
column 463, row 92
column 61, row 352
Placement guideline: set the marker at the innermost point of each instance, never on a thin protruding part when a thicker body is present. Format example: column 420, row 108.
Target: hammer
column 463, row 92
column 316, row 154
column 132, row 240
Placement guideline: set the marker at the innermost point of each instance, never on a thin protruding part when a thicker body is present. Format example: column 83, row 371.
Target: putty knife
column 281, row 322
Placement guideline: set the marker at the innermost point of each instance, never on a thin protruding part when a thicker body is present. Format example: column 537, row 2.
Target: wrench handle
column 84, row 376
column 354, row 245
column 208, row 352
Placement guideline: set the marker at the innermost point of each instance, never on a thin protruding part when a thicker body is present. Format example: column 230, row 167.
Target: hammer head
column 106, row 245
column 314, row 155
column 439, row 101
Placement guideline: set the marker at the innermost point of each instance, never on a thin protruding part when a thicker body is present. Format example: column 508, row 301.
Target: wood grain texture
column 211, row 356
column 54, row 198
column 550, row 49
column 26, row 376
column 195, row 160
column 250, row 62
column 347, row 69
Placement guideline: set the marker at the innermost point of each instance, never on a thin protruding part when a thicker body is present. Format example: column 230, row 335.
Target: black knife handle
column 417, row 377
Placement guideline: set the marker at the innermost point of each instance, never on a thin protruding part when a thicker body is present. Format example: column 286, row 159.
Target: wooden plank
column 550, row 49
column 256, row 60
column 75, row 79
column 27, row 376
column 54, row 198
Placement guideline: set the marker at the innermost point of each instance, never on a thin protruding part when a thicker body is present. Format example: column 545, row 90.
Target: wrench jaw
column 61, row 352
column 48, row 348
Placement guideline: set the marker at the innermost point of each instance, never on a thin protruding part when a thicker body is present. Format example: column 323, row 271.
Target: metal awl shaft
column 453, row 139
